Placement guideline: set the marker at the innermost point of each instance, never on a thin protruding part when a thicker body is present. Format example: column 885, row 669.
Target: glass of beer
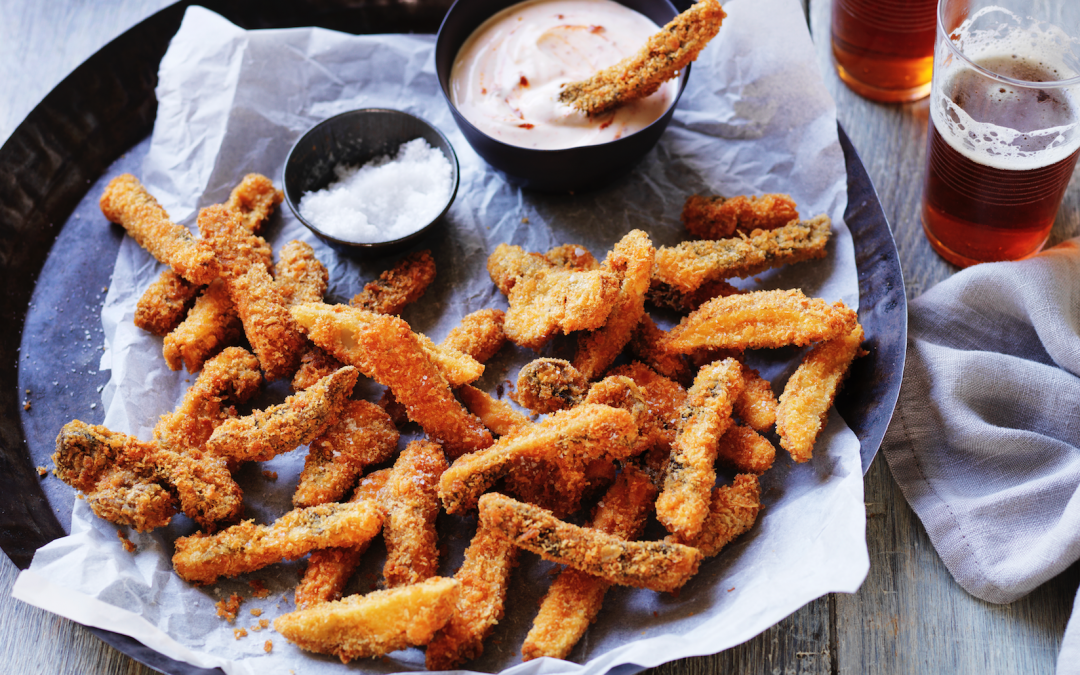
column 1004, row 130
column 884, row 49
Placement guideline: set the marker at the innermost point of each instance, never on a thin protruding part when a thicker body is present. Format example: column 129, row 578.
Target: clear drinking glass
column 884, row 49
column 1004, row 130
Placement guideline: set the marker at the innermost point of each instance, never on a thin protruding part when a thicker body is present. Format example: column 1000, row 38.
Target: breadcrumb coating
column 732, row 511
column 716, row 217
column 364, row 435
column 374, row 624
column 411, row 501
column 300, row 419
column 746, row 450
column 210, row 326
column 398, row 286
column 164, row 303
column 757, row 403
column 687, row 266
column 203, row 558
column 496, row 415
column 484, row 577
column 655, row 565
column 553, row 300
column 299, row 275
column 479, row 334
column 545, row 385
column 663, row 56
column 254, row 199
column 650, row 345
column 663, row 295
column 315, row 364
column 705, row 416
column 761, row 319
column 811, row 390
column 631, row 260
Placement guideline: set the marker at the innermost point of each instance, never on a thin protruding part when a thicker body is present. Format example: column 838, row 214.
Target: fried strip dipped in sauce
column 655, row 565
column 300, row 419
column 386, row 350
column 545, row 385
column 203, row 558
column 761, row 319
column 663, row 56
column 329, row 569
column 716, row 217
column 375, row 624
column 364, row 435
column 706, row 415
column 574, row 599
column 811, row 390
column 689, row 265
column 411, row 501
column 164, row 303
column 746, row 450
column 399, row 286
column 732, row 511
column 210, row 326
column 484, row 576
column 127, row 203
column 632, row 260
column 569, row 437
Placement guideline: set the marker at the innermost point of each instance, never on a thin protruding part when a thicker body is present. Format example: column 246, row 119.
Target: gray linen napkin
column 985, row 441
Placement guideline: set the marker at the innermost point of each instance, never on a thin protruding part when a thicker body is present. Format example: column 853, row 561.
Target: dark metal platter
column 56, row 259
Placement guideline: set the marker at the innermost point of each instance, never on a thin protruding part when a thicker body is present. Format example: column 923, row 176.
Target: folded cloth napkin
column 985, row 441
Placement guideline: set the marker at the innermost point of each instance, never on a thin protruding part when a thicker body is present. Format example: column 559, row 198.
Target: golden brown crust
column 411, row 502
column 810, row 391
column 484, row 576
column 767, row 319
column 210, row 326
column 508, row 264
column 399, row 286
column 657, row 566
column 572, row 257
column 746, row 450
column 705, row 416
column 757, row 403
column 126, row 202
column 374, row 624
column 300, row 419
column 299, row 275
column 663, row 56
column 663, row 295
column 164, row 303
column 496, row 415
column 716, row 217
column 553, row 300
column 364, row 435
column 254, row 199
column 649, row 344
column 545, row 385
column 315, row 364
column 201, row 558
column 386, row 350
column 732, row 511
column 687, row 266
column 479, row 334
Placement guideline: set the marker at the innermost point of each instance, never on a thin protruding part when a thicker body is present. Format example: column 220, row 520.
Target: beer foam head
column 1005, row 120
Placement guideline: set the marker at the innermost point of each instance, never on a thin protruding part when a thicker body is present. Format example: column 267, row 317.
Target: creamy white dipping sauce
column 506, row 78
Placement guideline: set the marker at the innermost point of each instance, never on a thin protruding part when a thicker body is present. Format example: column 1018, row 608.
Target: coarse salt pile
column 385, row 199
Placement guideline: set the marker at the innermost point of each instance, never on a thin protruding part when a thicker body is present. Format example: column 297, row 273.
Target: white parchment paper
column 755, row 118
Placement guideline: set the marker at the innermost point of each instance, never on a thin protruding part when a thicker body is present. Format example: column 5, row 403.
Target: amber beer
column 884, row 49
column 995, row 177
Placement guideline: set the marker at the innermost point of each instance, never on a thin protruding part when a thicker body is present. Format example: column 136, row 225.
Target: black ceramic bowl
column 354, row 138
column 548, row 170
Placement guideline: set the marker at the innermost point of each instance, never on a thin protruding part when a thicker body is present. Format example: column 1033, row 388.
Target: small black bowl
column 354, row 138
column 548, row 170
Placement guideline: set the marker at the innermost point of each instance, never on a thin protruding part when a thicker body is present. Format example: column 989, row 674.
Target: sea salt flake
column 385, row 199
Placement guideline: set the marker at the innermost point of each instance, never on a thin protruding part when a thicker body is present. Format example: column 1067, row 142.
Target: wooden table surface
column 909, row 616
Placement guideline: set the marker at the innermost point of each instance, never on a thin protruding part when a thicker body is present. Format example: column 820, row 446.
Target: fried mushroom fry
column 811, row 390
column 687, row 266
column 484, row 577
column 164, row 303
column 553, row 300
column 574, row 599
column 374, row 624
column 663, row 56
column 411, row 501
column 545, row 385
column 732, row 511
column 203, row 558
column 126, row 202
column 363, row 436
column 386, row 350
column 746, row 450
column 631, row 259
column 210, row 326
column 254, row 199
column 756, row 404
column 705, row 416
column 399, row 286
column 569, row 437
column 716, row 217
column 496, row 415
column 761, row 319
column 657, row 566
column 299, row 275
column 329, row 569
column 479, row 335
column 649, row 343
column 303, row 417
